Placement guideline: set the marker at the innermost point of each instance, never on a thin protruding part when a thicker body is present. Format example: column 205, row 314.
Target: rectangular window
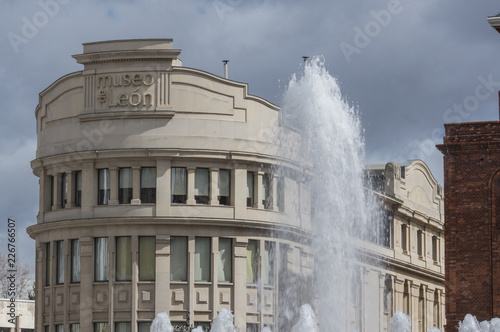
column 225, row 260
column 268, row 263
column 47, row 264
column 78, row 188
column 101, row 260
column 404, row 237
column 123, row 327
column 201, row 185
column 179, row 185
column 75, row 261
column 52, row 179
column 406, row 298
column 103, row 190
column 143, row 326
column 252, row 261
column 125, row 184
column 178, row 258
column 280, row 200
column 420, row 243
column 59, row 328
column 252, row 327
column 436, row 309
column 123, row 258
column 100, row 327
column 266, row 187
column 434, row 248
column 64, row 190
column 202, row 254
column 385, row 227
column 75, row 327
column 250, row 185
column 147, row 258
column 60, row 262
column 148, row 185
column 224, row 194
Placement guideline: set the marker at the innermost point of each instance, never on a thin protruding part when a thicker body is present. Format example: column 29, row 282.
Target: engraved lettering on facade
column 108, row 84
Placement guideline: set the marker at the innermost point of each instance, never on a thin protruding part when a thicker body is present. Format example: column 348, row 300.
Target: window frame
column 141, row 258
column 104, row 252
column 103, row 194
column 148, row 194
column 180, row 258
column 202, row 199
column 78, row 188
column 253, row 262
column 178, row 198
column 64, row 190
column 123, row 258
column 250, row 189
column 75, row 263
column 125, row 193
column 60, row 262
column 202, row 259
column 229, row 260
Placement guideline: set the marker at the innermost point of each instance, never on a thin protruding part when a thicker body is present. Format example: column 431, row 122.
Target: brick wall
column 472, row 202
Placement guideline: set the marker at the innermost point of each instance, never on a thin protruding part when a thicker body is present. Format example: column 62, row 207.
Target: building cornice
column 292, row 233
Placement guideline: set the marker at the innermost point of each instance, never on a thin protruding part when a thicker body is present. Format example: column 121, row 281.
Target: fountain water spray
column 400, row 322
column 223, row 322
column 332, row 141
column 162, row 323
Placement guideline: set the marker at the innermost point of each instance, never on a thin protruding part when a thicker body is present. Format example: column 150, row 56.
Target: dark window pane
column 147, row 258
column 123, row 258
column 224, row 196
column 148, row 185
column 201, row 185
column 179, row 185
column 64, row 190
column 125, row 184
column 78, row 188
column 75, row 261
column 103, row 180
column 178, row 258
column 60, row 262
column 101, row 259
column 250, row 189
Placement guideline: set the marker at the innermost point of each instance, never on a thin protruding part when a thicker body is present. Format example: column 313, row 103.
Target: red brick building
column 472, row 213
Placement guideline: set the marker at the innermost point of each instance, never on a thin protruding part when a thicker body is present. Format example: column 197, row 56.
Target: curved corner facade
column 157, row 193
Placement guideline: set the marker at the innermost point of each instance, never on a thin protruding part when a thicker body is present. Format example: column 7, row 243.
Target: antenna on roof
column 225, row 68
column 305, row 62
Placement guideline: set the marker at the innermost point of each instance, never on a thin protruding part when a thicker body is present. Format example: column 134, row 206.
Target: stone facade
column 24, row 316
column 160, row 191
column 410, row 245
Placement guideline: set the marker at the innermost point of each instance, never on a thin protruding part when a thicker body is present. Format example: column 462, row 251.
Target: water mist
column 332, row 141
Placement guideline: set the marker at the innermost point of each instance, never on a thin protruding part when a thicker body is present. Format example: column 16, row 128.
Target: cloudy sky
column 408, row 65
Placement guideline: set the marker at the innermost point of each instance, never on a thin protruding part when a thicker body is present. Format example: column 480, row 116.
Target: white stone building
column 17, row 316
column 159, row 192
